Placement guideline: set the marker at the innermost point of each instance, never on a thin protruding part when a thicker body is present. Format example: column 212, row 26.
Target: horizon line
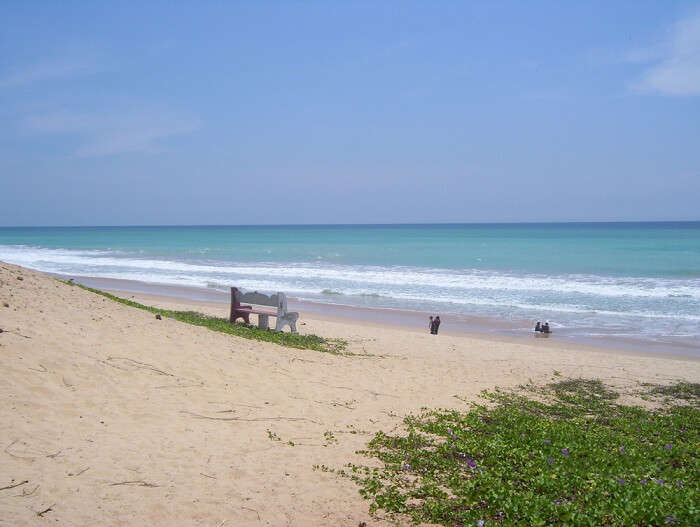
column 397, row 224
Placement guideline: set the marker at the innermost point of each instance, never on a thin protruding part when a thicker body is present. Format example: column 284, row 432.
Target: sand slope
column 116, row 418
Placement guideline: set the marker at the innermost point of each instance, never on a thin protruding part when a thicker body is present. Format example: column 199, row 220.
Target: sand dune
column 111, row 417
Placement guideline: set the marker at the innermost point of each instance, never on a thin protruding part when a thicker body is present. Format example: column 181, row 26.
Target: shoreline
column 478, row 327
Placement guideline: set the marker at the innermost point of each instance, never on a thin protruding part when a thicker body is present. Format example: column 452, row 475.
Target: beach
column 620, row 285
column 113, row 417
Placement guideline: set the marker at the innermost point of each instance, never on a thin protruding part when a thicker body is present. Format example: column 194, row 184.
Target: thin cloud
column 111, row 133
column 677, row 70
column 49, row 70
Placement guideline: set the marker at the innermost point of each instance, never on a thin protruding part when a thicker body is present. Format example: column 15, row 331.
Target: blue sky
column 348, row 112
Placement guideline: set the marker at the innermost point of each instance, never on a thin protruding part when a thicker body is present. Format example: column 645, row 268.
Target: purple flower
column 480, row 523
column 680, row 484
column 406, row 466
column 621, row 450
column 471, row 463
column 550, row 460
column 643, row 482
column 621, row 481
column 671, row 519
column 451, row 432
column 660, row 481
column 668, row 447
column 548, row 441
column 565, row 451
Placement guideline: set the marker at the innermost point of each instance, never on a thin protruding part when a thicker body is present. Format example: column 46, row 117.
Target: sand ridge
column 115, row 418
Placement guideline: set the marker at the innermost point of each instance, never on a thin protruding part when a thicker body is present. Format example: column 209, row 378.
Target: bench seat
column 257, row 302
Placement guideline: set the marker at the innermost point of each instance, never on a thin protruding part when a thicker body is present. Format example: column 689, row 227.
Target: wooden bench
column 255, row 299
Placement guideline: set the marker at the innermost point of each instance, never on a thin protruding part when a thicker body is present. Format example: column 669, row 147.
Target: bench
column 239, row 297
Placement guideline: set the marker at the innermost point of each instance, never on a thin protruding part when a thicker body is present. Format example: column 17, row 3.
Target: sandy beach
column 112, row 417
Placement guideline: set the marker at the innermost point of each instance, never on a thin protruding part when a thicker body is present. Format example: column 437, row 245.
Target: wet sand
column 453, row 323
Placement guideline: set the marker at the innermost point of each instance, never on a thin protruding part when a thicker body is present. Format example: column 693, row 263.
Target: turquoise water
column 624, row 279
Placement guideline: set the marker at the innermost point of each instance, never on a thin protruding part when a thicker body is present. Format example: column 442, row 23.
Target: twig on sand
column 52, row 456
column 15, row 485
column 26, row 494
column 302, row 360
column 277, row 418
column 42, row 370
column 371, row 392
column 14, row 333
column 179, row 386
column 48, row 509
column 79, row 473
column 142, row 365
column 7, row 451
column 207, row 475
column 137, row 482
column 249, row 509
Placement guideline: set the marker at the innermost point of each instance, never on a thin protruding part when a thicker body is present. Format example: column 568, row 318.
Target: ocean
column 590, row 280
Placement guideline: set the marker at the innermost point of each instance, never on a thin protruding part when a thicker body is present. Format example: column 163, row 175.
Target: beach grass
column 222, row 325
column 563, row 454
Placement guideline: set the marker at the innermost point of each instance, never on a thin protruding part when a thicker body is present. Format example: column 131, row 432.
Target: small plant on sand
column 684, row 391
column 566, row 454
column 222, row 325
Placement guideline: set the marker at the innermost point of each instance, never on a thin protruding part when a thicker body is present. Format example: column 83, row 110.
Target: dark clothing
column 436, row 326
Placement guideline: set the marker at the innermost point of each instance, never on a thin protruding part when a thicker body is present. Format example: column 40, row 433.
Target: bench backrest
column 279, row 300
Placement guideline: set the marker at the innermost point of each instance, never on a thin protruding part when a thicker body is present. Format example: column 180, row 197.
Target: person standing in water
column 436, row 325
column 430, row 324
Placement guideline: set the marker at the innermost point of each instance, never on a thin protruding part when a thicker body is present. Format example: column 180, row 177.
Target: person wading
column 435, row 326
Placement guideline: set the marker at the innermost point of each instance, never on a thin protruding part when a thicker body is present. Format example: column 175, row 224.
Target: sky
column 271, row 112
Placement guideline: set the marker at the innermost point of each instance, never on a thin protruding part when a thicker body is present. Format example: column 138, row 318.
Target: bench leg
column 289, row 320
column 264, row 321
column 240, row 313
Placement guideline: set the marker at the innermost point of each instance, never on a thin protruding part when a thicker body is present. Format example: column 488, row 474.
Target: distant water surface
column 639, row 280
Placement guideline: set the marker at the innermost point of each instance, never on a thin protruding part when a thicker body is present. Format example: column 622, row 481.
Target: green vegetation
column 291, row 340
column 565, row 454
column 686, row 391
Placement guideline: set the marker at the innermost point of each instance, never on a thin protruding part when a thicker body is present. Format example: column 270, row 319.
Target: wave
column 349, row 277
column 577, row 299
